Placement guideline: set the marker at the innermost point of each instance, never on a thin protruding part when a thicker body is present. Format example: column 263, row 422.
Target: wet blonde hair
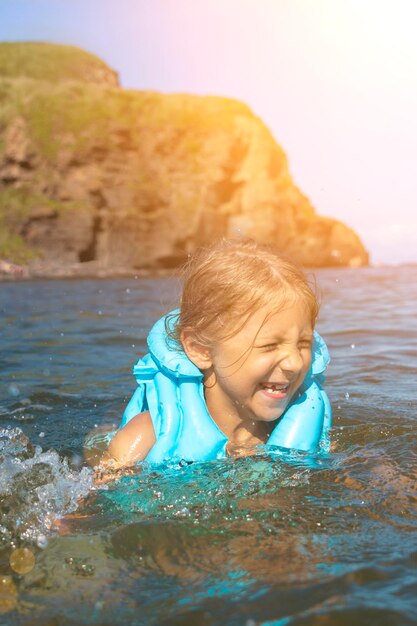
column 226, row 283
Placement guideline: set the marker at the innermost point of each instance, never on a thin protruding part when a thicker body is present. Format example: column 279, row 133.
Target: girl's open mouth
column 275, row 390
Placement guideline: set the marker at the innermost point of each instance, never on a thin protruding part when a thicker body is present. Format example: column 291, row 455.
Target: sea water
column 271, row 539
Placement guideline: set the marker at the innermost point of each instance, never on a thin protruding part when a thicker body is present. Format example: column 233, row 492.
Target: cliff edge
column 90, row 172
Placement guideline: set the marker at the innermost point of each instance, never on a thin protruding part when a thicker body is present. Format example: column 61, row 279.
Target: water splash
column 36, row 488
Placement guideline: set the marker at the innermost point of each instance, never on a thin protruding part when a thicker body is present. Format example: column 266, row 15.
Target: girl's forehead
column 279, row 317
column 274, row 315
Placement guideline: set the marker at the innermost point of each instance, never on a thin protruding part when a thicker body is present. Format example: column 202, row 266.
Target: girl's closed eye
column 268, row 347
column 304, row 344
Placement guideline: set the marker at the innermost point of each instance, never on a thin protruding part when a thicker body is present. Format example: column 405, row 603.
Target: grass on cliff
column 91, row 113
column 16, row 205
column 62, row 90
column 51, row 62
column 13, row 248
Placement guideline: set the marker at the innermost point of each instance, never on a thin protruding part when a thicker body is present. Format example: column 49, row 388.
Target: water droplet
column 133, row 345
column 22, row 560
column 128, row 290
column 352, row 345
column 42, row 541
column 86, row 569
column 42, row 434
column 347, row 396
column 76, row 460
column 100, row 312
column 14, row 390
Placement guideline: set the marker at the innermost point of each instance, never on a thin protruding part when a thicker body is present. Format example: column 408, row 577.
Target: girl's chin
column 272, row 410
column 269, row 416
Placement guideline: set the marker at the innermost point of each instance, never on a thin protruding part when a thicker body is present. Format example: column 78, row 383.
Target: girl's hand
column 108, row 471
column 110, row 468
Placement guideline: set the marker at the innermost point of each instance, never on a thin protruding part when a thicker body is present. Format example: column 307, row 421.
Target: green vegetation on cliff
column 88, row 112
column 44, row 61
column 15, row 206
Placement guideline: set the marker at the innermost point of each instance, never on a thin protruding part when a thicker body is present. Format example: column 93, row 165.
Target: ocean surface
column 285, row 539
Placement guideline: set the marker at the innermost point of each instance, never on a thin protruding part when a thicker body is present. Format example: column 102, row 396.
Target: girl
column 232, row 369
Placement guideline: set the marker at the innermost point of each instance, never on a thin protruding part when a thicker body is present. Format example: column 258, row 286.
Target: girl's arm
column 130, row 444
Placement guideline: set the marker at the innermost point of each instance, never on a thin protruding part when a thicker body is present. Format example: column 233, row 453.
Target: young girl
column 234, row 368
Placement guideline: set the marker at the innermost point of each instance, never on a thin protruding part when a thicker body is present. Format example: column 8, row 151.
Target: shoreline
column 11, row 272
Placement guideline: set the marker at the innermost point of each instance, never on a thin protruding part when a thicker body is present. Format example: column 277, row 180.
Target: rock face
column 91, row 172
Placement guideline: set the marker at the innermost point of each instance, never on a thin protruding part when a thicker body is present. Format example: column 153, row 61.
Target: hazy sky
column 335, row 81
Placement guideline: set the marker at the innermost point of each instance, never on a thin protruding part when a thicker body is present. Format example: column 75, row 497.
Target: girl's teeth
column 276, row 387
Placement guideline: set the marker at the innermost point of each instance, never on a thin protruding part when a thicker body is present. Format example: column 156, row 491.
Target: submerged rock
column 93, row 173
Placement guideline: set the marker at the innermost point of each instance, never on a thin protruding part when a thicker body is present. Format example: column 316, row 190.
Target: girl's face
column 255, row 373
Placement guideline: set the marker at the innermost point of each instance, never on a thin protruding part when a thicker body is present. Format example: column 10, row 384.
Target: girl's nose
column 292, row 361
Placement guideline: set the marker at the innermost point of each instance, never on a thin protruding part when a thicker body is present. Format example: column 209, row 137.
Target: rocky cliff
column 90, row 172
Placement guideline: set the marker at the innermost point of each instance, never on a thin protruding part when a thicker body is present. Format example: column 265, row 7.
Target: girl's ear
column 196, row 352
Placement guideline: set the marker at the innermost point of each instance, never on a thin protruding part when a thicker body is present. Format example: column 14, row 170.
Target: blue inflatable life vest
column 171, row 389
